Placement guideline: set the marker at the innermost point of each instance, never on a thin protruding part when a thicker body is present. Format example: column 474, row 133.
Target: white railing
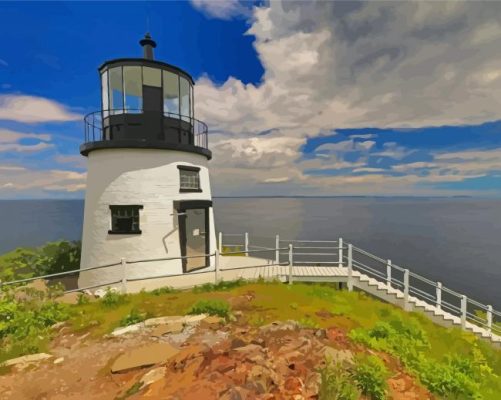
column 318, row 253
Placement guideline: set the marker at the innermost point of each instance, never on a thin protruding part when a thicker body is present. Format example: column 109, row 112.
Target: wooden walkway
column 360, row 281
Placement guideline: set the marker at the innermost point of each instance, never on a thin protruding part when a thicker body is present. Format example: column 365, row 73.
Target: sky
column 301, row 98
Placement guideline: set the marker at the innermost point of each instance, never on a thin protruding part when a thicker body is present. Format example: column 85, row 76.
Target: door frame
column 181, row 206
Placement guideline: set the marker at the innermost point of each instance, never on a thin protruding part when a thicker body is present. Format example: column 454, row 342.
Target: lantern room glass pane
column 116, row 91
column 152, row 77
column 104, row 94
column 133, row 89
column 171, row 92
column 185, row 99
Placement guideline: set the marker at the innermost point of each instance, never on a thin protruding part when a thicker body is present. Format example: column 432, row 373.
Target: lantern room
column 145, row 103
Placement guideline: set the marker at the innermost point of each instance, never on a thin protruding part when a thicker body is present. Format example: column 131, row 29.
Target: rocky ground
column 191, row 357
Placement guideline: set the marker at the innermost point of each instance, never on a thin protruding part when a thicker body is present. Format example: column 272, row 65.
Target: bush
column 211, row 307
column 370, row 374
column 163, row 290
column 25, row 325
column 220, row 286
column 48, row 259
column 58, row 257
column 336, row 383
column 113, row 299
column 456, row 376
column 132, row 318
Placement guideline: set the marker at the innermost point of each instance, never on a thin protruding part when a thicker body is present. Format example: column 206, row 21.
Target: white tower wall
column 147, row 177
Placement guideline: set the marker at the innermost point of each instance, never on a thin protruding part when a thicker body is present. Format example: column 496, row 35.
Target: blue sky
column 301, row 98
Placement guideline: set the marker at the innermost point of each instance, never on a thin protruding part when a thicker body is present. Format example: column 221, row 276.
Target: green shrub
column 82, row 299
column 220, row 286
column 25, row 325
column 48, row 259
column 132, row 318
column 163, row 290
column 370, row 374
column 113, row 299
column 336, row 383
column 455, row 377
column 58, row 257
column 211, row 307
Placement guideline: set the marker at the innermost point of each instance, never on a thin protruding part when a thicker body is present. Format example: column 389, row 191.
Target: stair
column 394, row 296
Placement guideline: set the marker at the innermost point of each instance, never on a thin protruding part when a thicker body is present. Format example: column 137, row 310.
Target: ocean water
column 453, row 240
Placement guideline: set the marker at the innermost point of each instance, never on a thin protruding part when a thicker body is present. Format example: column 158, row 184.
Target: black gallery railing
column 173, row 127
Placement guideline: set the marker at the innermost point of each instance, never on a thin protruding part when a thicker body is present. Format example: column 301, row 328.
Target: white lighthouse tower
column 148, row 194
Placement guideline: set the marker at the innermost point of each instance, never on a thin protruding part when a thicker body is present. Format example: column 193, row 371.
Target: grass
column 428, row 351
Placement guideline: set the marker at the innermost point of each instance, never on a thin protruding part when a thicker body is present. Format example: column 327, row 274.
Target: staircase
column 394, row 296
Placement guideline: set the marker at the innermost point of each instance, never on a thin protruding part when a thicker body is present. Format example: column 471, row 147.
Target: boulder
column 171, row 319
column 68, row 298
column 144, row 356
column 173, row 327
column 344, row 357
column 30, row 358
column 153, row 376
column 128, row 329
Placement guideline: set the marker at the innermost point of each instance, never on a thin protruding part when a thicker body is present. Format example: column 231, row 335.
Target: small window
column 125, row 219
column 189, row 178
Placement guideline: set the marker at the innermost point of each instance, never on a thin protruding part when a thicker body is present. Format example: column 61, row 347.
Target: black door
column 194, row 238
column 153, row 112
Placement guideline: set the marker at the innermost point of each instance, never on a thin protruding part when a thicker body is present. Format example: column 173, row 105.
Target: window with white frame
column 189, row 178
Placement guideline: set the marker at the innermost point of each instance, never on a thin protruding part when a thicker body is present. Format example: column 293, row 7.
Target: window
column 171, row 92
column 189, row 179
column 125, row 219
column 116, row 91
column 133, row 89
column 104, row 93
column 185, row 99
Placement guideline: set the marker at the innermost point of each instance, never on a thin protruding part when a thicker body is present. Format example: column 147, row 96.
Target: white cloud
column 221, row 9
column 331, row 65
column 33, row 109
column 277, row 180
column 24, row 181
column 10, row 141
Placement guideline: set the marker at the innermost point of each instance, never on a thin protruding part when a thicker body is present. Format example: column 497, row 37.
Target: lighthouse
column 148, row 204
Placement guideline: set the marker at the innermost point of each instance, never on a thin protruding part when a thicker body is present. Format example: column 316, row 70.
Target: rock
column 99, row 293
column 238, row 313
column 194, row 319
column 174, row 327
column 260, row 379
column 153, row 376
column 212, row 321
column 171, row 319
column 235, row 393
column 58, row 325
column 293, row 384
column 338, row 356
column 144, row 356
column 312, row 384
column 237, row 342
column 280, row 326
column 68, row 298
column 249, row 349
column 223, row 364
column 31, row 358
column 58, row 360
column 128, row 329
column 321, row 334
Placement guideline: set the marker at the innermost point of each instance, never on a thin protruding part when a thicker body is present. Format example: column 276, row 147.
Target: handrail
column 96, row 123
column 382, row 273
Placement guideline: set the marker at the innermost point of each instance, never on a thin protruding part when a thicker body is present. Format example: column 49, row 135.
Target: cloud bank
column 332, row 65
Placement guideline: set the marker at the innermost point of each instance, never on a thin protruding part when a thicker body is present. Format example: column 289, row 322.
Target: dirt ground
column 207, row 360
